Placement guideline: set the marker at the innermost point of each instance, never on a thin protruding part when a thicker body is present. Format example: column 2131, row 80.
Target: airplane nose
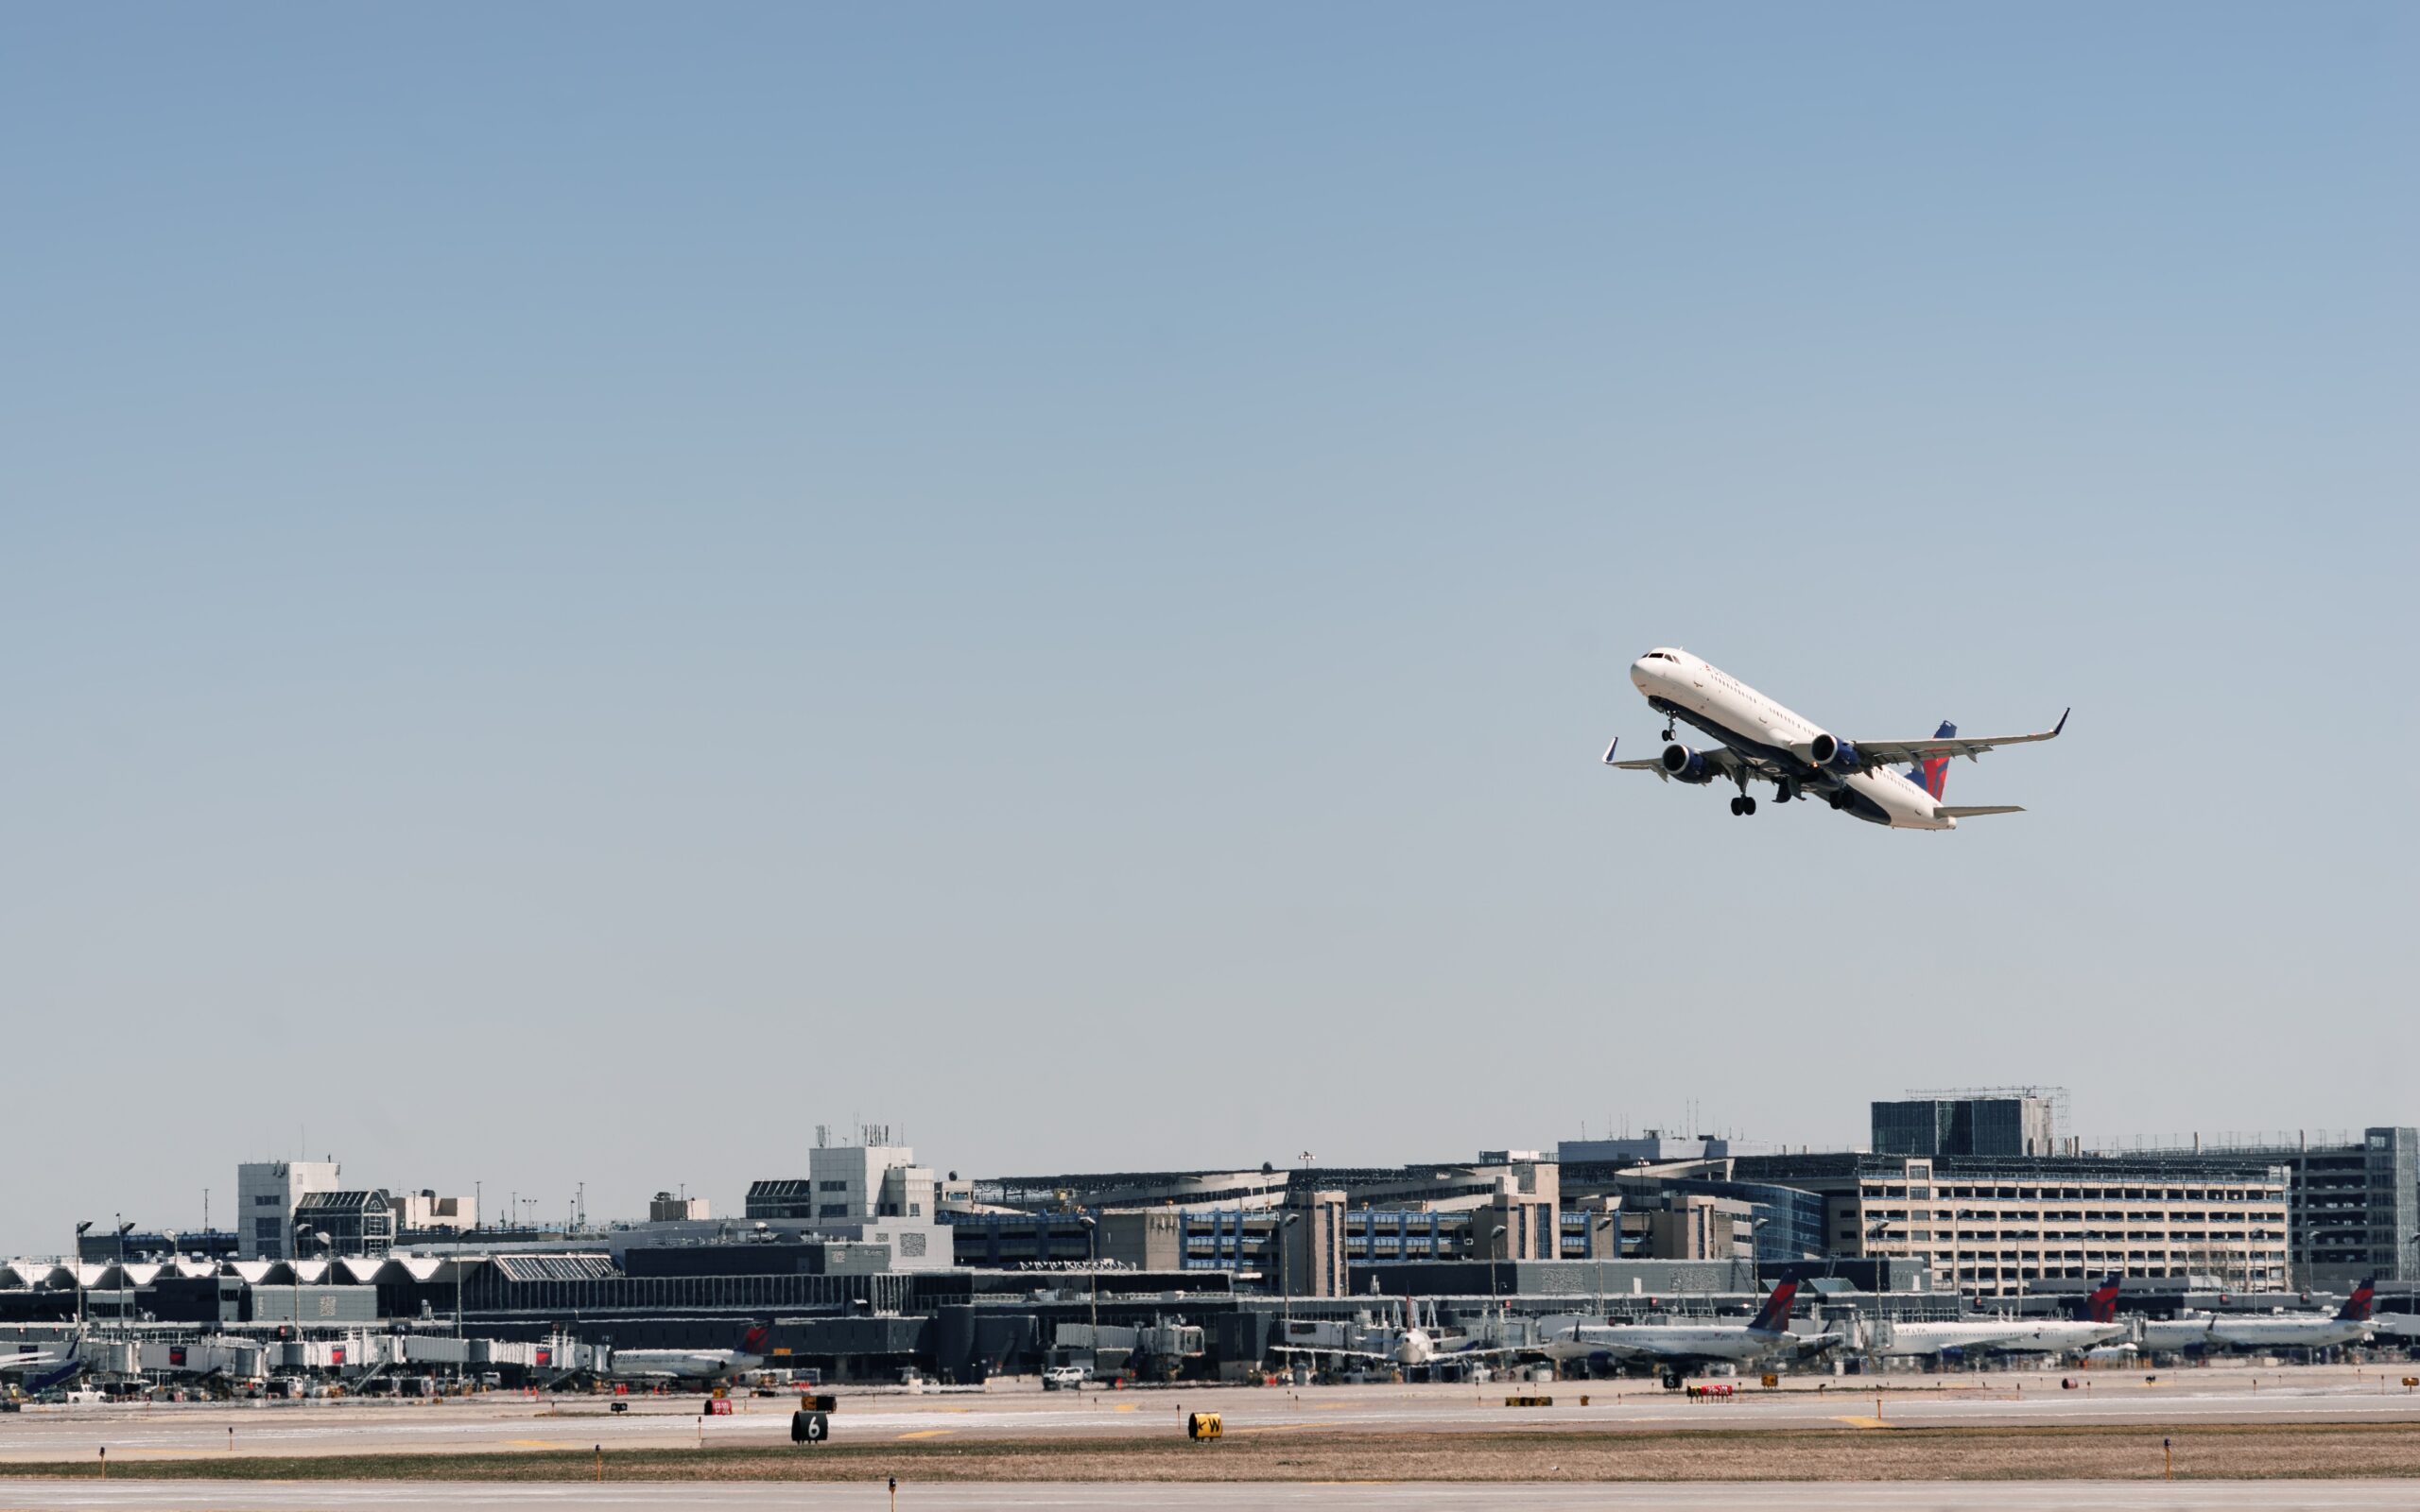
column 1641, row 675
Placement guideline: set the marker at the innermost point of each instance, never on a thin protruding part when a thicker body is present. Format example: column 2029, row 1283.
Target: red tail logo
column 1775, row 1316
column 1932, row 772
column 752, row 1342
column 2101, row 1306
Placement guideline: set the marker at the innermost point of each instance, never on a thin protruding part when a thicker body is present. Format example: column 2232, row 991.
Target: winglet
column 2063, row 721
column 1609, row 750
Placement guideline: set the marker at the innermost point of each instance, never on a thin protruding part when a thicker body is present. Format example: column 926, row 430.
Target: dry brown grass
column 2249, row 1451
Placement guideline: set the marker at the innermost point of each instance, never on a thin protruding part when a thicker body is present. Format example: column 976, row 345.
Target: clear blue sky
column 587, row 588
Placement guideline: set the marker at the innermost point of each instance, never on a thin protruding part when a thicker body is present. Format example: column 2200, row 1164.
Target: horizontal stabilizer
column 1973, row 812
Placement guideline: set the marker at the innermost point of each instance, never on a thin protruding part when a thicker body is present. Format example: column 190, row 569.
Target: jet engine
column 1683, row 765
column 1832, row 753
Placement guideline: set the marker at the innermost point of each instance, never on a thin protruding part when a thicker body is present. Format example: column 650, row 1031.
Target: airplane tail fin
column 1774, row 1317
column 2356, row 1307
column 1932, row 774
column 70, row 1365
column 2101, row 1306
column 752, row 1342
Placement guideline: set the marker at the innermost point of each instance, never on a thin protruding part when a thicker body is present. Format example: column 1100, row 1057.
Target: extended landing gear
column 1667, row 732
column 1743, row 805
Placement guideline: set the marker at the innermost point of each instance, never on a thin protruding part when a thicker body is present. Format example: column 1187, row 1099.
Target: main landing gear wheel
column 1743, row 805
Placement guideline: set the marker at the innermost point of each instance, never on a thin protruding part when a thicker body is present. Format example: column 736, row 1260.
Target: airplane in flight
column 2014, row 1336
column 690, row 1364
column 1676, row 1347
column 1755, row 739
column 2304, row 1331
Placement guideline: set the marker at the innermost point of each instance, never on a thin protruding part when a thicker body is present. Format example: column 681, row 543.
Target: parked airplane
column 2302, row 1330
column 1756, row 739
column 40, row 1370
column 690, row 1364
column 2014, row 1335
column 1678, row 1347
column 1409, row 1344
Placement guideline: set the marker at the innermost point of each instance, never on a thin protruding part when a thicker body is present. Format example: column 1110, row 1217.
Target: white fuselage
column 1700, row 693
column 1667, row 1341
column 680, row 1365
column 2014, row 1335
column 2308, row 1330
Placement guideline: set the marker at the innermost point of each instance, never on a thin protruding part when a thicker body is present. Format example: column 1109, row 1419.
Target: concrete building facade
column 267, row 1193
column 2001, row 1227
column 2353, row 1201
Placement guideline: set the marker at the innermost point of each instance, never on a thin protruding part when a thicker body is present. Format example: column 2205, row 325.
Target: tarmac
column 508, row 1422
column 1822, row 1496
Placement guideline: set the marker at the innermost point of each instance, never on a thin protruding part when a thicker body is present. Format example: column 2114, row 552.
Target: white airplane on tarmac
column 1677, row 1347
column 1410, row 1346
column 2014, row 1336
column 1756, row 739
column 690, row 1364
column 39, row 1370
column 2301, row 1331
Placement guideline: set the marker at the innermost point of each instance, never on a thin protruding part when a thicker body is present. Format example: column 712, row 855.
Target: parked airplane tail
column 754, row 1341
column 69, row 1367
column 1774, row 1317
column 1932, row 774
column 2356, row 1307
column 2101, row 1306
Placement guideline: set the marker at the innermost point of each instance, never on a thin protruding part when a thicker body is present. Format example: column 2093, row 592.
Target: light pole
column 1756, row 1249
column 1091, row 1250
column 75, row 1269
column 1285, row 1282
column 1610, row 1218
column 294, row 1275
column 1494, row 1232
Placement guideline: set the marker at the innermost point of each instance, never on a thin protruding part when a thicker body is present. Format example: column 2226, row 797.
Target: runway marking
column 927, row 1432
column 1130, row 1406
column 1864, row 1422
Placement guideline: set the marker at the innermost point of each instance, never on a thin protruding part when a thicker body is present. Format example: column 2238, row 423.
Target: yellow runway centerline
column 927, row 1432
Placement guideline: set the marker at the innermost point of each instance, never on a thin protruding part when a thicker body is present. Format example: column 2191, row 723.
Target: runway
column 506, row 1424
column 1823, row 1496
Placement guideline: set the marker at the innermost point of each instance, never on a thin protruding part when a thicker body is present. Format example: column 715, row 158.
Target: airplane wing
column 1720, row 758
column 1341, row 1354
column 1444, row 1351
column 1874, row 753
